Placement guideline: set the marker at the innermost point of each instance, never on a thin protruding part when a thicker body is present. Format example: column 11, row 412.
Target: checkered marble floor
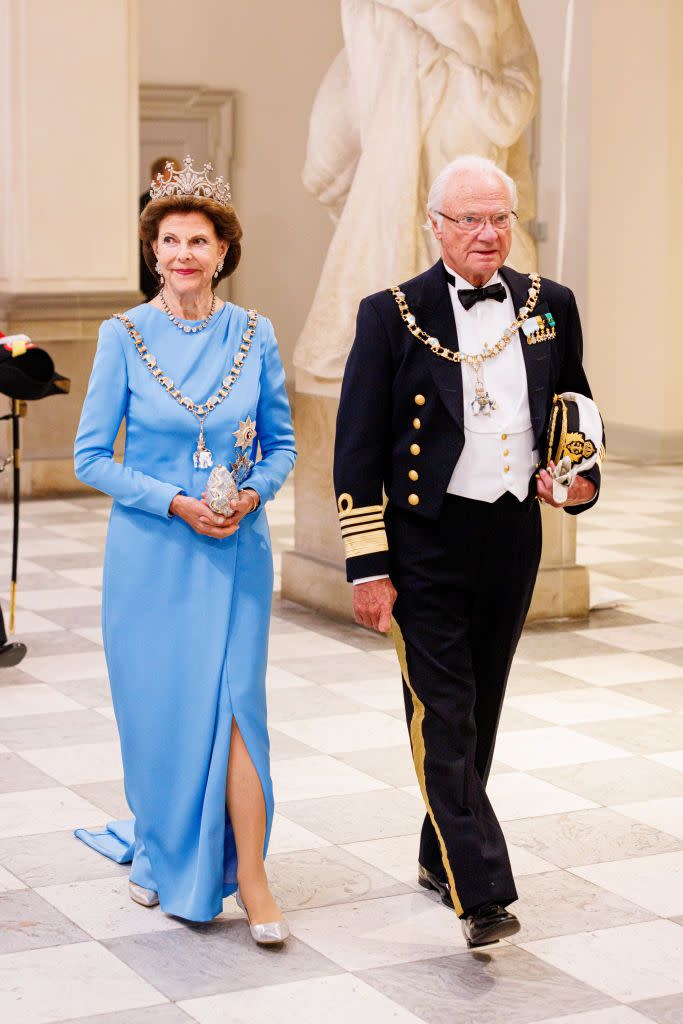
column 588, row 782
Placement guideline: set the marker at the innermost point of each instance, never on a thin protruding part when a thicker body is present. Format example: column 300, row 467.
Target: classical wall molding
column 193, row 102
column 65, row 305
column 63, row 316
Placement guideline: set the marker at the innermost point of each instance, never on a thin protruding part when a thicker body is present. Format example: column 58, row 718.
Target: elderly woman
column 187, row 592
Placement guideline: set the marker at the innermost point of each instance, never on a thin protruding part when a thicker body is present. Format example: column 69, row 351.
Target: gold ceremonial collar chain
column 203, row 458
column 474, row 359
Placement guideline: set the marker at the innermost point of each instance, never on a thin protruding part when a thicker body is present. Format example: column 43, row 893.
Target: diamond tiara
column 188, row 182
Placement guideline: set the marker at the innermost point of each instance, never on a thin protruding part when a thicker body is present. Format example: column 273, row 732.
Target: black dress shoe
column 428, row 880
column 11, row 654
column 489, row 923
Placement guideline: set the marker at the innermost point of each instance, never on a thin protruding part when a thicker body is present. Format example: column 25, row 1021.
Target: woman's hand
column 199, row 516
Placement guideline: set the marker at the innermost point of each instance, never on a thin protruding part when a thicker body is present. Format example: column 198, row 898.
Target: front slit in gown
column 185, row 617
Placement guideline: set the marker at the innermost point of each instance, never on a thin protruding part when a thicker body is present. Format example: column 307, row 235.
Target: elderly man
column 445, row 402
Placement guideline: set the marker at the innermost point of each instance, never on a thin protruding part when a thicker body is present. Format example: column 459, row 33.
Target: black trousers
column 464, row 587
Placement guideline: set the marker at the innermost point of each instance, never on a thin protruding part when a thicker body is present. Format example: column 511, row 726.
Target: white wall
column 69, row 88
column 274, row 55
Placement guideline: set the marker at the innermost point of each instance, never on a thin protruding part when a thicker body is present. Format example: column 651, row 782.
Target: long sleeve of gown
column 274, row 425
column 103, row 411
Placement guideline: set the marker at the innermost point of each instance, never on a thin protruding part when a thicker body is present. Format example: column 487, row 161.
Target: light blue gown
column 185, row 617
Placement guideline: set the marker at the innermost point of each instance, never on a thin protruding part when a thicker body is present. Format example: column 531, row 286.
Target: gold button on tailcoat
column 413, row 499
column 416, row 423
column 413, row 474
column 420, row 399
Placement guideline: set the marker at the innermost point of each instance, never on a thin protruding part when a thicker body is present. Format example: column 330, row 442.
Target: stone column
column 313, row 573
column 68, row 198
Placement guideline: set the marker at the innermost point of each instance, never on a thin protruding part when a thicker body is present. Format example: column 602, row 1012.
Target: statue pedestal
column 313, row 574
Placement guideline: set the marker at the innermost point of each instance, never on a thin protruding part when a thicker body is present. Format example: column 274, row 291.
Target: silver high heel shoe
column 145, row 897
column 271, row 934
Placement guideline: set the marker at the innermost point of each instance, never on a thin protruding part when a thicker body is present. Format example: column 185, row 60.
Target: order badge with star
column 246, row 435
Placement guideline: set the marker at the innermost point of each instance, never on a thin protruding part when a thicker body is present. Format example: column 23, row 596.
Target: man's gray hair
column 465, row 164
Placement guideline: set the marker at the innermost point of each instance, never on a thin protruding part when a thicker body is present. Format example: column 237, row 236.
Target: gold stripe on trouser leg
column 419, row 754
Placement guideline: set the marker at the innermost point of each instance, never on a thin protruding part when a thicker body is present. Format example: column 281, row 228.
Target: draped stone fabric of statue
column 418, row 83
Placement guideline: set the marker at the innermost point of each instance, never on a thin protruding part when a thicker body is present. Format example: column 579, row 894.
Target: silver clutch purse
column 221, row 489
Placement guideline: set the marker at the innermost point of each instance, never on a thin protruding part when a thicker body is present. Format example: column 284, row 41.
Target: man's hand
column 580, row 492
column 373, row 603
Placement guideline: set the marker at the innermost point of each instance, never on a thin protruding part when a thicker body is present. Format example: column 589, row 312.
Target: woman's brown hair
column 224, row 219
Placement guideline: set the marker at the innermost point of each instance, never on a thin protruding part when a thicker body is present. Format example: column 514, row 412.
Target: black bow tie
column 470, row 296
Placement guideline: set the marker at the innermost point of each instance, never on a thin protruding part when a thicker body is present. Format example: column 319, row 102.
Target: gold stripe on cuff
column 368, row 543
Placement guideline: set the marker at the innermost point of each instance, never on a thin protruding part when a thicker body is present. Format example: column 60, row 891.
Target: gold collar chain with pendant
column 473, row 359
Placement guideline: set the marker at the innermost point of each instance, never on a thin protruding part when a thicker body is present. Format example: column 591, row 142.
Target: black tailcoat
column 388, row 375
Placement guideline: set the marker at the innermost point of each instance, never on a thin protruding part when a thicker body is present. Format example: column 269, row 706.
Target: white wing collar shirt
column 499, row 452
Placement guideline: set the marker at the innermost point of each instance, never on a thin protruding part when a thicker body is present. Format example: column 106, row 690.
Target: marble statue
column 418, row 83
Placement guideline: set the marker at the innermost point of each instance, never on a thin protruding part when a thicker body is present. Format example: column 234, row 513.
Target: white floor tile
column 375, row 933
column 92, row 633
column 305, row 778
column 515, row 795
column 674, row 561
column 9, row 882
column 335, row 734
column 44, row 810
column 33, row 699
column 312, row 645
column 395, row 855
column 527, row 749
column 103, row 908
column 631, row 962
column 27, row 623
column 570, row 707
column 42, row 986
column 83, row 577
column 611, row 1015
column 670, row 584
column 672, row 759
column 526, row 863
column 79, row 764
column 92, row 529
column 655, row 883
column 335, row 1000
column 381, row 694
column 66, row 597
column 591, row 554
column 288, row 837
column 664, row 609
column 36, row 547
column 107, row 711
column 665, row 814
column 651, row 636
column 615, row 669
column 278, row 678
column 50, row 669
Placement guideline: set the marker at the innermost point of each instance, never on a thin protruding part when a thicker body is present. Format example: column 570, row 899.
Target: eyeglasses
column 475, row 221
